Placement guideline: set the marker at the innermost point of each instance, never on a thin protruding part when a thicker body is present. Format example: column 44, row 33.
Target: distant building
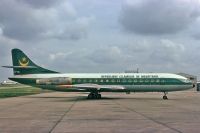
column 132, row 71
column 5, row 82
column 198, row 86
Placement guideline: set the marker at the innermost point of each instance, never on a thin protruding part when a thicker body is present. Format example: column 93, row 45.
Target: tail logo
column 23, row 61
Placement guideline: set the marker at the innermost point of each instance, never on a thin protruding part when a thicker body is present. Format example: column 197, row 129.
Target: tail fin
column 23, row 65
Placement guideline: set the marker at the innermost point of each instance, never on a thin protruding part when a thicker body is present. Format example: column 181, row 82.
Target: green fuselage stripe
column 128, row 81
column 114, row 81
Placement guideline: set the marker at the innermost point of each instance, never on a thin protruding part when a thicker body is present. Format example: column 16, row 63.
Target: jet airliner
column 27, row 72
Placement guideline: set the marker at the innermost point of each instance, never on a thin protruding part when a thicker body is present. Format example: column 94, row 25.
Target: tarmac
column 63, row 112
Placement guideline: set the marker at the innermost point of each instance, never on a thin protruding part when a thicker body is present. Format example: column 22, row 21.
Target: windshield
column 186, row 80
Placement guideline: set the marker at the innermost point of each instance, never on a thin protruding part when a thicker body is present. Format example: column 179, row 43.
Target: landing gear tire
column 98, row 96
column 94, row 96
column 90, row 96
column 165, row 96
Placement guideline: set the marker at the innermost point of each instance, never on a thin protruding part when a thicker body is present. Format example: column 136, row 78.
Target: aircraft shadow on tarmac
column 84, row 98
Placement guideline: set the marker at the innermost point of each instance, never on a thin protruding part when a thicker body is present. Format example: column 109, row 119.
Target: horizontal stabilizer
column 22, row 67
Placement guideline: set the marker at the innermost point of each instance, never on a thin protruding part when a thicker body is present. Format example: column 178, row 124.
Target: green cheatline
column 14, row 92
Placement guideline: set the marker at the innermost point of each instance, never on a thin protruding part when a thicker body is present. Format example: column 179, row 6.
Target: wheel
column 90, row 96
column 165, row 97
column 98, row 96
column 95, row 96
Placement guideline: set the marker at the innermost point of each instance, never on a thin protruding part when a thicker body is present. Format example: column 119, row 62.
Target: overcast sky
column 102, row 35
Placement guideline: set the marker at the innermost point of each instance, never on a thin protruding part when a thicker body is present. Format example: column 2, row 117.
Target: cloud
column 107, row 55
column 6, row 45
column 22, row 22
column 41, row 3
column 155, row 17
column 167, row 52
column 18, row 21
column 95, row 60
column 59, row 55
column 74, row 30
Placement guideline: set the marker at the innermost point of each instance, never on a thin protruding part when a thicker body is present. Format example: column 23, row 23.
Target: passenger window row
column 119, row 80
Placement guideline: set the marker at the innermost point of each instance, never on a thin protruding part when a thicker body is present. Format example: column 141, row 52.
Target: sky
column 75, row 36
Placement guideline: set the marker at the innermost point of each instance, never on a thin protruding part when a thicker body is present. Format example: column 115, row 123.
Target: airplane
column 27, row 72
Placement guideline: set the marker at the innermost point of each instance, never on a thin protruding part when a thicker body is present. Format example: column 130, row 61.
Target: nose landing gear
column 165, row 96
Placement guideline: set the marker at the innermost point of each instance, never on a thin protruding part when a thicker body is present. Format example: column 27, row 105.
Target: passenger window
column 124, row 80
column 112, row 80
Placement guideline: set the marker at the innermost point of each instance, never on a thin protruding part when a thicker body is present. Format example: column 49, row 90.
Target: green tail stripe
column 24, row 65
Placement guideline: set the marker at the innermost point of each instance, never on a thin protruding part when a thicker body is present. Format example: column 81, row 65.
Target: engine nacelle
column 54, row 81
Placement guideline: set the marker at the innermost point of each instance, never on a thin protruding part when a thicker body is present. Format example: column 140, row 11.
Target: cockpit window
column 186, row 80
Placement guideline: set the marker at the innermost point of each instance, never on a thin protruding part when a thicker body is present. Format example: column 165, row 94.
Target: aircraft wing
column 93, row 87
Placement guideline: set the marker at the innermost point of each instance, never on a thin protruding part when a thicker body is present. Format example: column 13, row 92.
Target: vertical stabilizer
column 23, row 65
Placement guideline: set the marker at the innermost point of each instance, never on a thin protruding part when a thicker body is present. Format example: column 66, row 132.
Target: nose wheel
column 94, row 95
column 165, row 96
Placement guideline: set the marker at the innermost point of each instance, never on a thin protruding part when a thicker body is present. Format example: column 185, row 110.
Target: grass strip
column 14, row 92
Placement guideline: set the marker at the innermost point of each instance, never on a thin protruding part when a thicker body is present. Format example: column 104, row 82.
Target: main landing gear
column 94, row 95
column 165, row 96
column 128, row 92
